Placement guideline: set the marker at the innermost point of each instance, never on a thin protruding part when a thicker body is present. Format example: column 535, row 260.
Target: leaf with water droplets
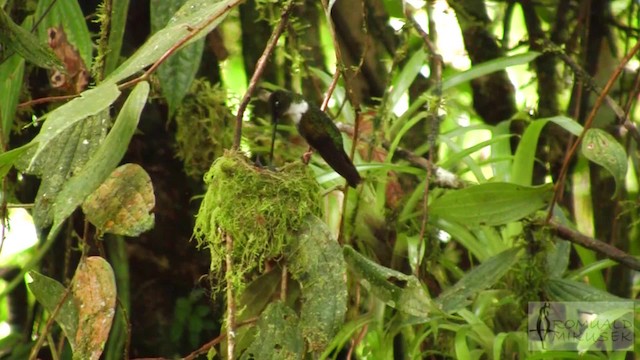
column 604, row 150
column 121, row 205
column 94, row 289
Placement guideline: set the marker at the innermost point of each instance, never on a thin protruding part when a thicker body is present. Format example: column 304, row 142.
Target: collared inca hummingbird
column 317, row 129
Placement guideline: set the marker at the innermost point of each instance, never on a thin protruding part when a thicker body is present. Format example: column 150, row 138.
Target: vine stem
column 596, row 106
column 260, row 66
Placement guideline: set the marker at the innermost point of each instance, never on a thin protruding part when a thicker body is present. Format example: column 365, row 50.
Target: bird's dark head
column 280, row 101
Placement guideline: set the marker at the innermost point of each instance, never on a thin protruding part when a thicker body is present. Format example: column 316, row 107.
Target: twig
column 46, row 100
column 598, row 103
column 599, row 246
column 38, row 345
column 260, row 65
column 283, row 283
column 231, row 303
column 621, row 114
column 332, row 87
column 436, row 67
column 204, row 348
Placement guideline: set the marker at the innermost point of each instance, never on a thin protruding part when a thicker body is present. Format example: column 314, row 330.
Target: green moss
column 256, row 207
column 204, row 127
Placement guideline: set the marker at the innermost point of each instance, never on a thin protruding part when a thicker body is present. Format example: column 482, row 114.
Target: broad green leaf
column 460, row 155
column 522, row 170
column 7, row 159
column 560, row 289
column 608, row 326
column 121, row 204
column 118, row 22
column 193, row 14
column 94, row 289
column 316, row 262
column 105, row 159
column 17, row 39
column 398, row 290
column 604, row 150
column 11, row 76
column 558, row 258
column 479, row 278
column 489, row 67
column 63, row 156
column 91, row 102
column 278, row 336
column 177, row 73
column 491, row 203
column 49, row 293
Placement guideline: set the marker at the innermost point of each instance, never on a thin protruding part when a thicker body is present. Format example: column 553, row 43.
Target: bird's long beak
column 274, row 119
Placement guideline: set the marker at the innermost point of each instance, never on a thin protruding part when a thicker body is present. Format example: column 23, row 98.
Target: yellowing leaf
column 604, row 150
column 121, row 205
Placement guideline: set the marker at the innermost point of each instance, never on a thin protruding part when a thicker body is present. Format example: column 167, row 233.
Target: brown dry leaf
column 122, row 204
column 94, row 289
column 76, row 78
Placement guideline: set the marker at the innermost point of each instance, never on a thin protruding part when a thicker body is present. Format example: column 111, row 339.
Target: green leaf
column 316, row 262
column 94, row 289
column 11, row 77
column 278, row 335
column 398, row 290
column 105, row 159
column 49, row 293
column 491, row 203
column 568, row 290
column 558, row 258
column 91, row 102
column 177, row 73
column 7, row 159
column 406, row 77
column 604, row 150
column 192, row 14
column 522, row 170
column 489, row 67
column 118, row 20
column 63, row 156
column 27, row 45
column 480, row 278
column 121, row 204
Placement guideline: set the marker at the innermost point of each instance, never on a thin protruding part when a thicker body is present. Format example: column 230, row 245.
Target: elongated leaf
column 17, row 39
column 192, row 14
column 177, row 73
column 568, row 290
column 116, row 33
column 49, row 293
column 278, row 335
column 398, row 290
column 11, row 75
column 94, row 288
column 480, row 278
column 316, row 262
column 491, row 203
column 7, row 159
column 604, row 150
column 489, row 67
column 522, row 170
column 91, row 102
column 105, row 159
column 406, row 77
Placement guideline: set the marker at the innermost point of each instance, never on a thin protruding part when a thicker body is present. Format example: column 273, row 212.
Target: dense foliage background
column 497, row 141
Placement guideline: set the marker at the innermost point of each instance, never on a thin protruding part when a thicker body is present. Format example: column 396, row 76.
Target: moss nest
column 258, row 208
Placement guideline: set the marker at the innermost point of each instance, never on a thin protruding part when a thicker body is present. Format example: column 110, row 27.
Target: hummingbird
column 317, row 129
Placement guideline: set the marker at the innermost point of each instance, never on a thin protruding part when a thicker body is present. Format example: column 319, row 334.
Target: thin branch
column 598, row 103
column 260, row 65
column 231, row 301
column 599, row 246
